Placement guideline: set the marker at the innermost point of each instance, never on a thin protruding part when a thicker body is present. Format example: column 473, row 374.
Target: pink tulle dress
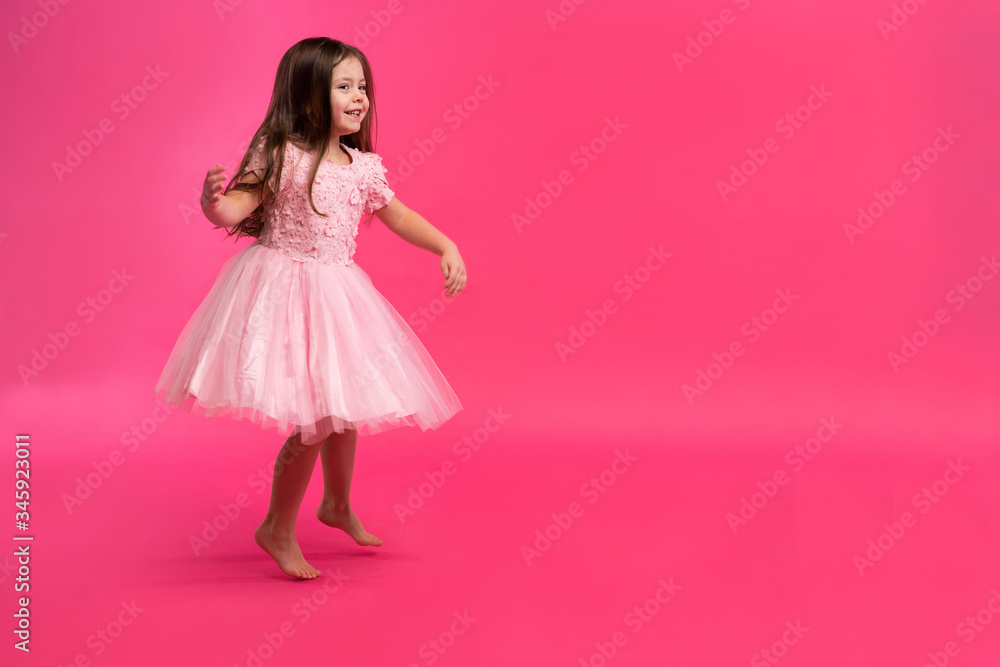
column 294, row 335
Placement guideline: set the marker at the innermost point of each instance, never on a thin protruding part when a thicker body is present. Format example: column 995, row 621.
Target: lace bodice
column 343, row 192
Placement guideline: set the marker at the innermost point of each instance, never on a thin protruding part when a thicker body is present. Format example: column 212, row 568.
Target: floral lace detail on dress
column 343, row 192
column 379, row 193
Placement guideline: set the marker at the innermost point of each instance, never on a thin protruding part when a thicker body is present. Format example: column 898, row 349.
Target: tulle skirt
column 306, row 347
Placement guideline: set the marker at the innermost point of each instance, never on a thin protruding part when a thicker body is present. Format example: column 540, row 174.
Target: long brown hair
column 300, row 111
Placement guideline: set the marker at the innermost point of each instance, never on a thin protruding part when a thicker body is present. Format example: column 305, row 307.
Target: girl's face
column 348, row 94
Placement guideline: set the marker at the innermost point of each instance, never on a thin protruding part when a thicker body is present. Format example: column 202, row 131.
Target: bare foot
column 348, row 522
column 286, row 553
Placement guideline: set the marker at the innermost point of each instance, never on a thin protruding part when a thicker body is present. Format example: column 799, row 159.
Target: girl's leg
column 337, row 452
column 276, row 534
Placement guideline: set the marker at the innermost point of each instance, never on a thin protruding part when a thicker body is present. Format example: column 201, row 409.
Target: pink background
column 131, row 206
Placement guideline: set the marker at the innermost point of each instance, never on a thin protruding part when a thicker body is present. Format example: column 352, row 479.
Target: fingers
column 215, row 180
column 456, row 283
column 216, row 174
column 454, row 273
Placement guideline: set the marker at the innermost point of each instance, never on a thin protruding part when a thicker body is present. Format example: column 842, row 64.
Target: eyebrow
column 347, row 78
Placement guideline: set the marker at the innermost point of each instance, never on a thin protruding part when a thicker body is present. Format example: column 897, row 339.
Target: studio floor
column 505, row 549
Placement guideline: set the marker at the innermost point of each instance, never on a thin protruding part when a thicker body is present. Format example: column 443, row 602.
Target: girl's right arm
column 229, row 209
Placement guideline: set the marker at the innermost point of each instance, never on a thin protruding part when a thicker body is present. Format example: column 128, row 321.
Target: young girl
column 293, row 334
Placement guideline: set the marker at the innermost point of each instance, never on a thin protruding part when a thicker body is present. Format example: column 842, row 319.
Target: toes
column 300, row 571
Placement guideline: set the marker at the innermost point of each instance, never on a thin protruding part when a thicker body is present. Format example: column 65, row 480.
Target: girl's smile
column 349, row 96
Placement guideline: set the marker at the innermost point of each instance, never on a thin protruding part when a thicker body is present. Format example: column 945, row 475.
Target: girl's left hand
column 453, row 269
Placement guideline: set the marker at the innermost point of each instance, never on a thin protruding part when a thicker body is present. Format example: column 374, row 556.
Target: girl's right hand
column 211, row 192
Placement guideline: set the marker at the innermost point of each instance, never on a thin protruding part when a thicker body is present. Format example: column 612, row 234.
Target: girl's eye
column 346, row 86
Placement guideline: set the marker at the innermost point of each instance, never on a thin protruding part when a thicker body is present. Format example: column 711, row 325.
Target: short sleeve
column 257, row 162
column 379, row 192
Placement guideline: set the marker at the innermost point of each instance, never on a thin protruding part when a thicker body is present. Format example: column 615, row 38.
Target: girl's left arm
column 414, row 229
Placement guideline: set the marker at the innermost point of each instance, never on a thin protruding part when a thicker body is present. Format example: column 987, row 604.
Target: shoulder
column 292, row 147
column 358, row 151
column 371, row 160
